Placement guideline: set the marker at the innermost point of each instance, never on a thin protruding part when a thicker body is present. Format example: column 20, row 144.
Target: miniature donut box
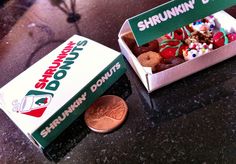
column 47, row 97
column 153, row 81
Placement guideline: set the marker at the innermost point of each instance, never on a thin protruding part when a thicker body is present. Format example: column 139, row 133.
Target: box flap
column 158, row 21
column 229, row 25
column 124, row 28
column 138, row 68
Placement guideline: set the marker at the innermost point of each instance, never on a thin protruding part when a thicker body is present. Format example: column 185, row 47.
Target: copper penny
column 106, row 113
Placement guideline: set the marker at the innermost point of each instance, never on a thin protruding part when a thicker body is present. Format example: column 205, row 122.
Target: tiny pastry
column 220, row 38
column 196, row 49
column 180, row 34
column 197, row 37
column 151, row 46
column 231, row 37
column 168, row 63
column 150, row 59
column 171, row 48
column 205, row 24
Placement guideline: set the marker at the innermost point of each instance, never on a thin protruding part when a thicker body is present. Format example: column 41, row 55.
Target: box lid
column 162, row 19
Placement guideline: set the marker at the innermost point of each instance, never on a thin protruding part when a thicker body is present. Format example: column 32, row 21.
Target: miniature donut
column 220, row 38
column 180, row 34
column 151, row 46
column 172, row 48
column 196, row 49
column 168, row 63
column 150, row 59
column 205, row 24
column 231, row 37
column 198, row 37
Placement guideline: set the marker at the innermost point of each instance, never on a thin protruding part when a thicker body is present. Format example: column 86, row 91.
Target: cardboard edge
column 221, row 16
column 137, row 67
column 124, row 28
column 1, row 101
column 27, row 134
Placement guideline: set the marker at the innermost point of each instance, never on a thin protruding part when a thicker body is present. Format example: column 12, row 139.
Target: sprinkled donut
column 196, row 49
column 150, row 59
column 205, row 24
column 197, row 37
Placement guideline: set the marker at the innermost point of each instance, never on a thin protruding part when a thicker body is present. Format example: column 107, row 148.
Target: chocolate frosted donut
column 150, row 59
column 196, row 36
column 151, row 46
column 168, row 63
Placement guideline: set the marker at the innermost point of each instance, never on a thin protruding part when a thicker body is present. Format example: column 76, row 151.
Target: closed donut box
column 47, row 97
column 189, row 39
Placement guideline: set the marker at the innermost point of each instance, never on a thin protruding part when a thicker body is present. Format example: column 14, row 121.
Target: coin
column 106, row 114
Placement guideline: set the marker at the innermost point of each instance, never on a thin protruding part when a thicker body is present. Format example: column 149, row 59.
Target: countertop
column 192, row 120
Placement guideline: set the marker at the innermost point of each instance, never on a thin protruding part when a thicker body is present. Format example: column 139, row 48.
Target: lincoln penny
column 106, row 114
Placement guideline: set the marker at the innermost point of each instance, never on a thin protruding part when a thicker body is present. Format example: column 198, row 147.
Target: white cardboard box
column 163, row 78
column 47, row 97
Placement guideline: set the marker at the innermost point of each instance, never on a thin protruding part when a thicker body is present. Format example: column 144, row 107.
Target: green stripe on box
column 173, row 15
column 90, row 98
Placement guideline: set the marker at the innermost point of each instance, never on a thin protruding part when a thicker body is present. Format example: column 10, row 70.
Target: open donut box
column 153, row 81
